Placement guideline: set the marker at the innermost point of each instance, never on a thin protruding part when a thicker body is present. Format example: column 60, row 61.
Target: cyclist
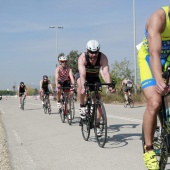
column 44, row 83
column 127, row 84
column 63, row 76
column 152, row 56
column 22, row 90
column 90, row 63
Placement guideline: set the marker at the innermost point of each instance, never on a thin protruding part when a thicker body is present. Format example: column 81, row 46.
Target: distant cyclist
column 63, row 76
column 127, row 85
column 44, row 83
column 152, row 58
column 22, row 90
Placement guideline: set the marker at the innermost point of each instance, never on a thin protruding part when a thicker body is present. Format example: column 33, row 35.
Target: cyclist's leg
column 153, row 103
column 42, row 97
column 126, row 95
column 59, row 96
column 20, row 96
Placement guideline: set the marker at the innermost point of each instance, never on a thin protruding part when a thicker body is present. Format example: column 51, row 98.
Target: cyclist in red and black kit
column 44, row 87
column 22, row 90
column 63, row 76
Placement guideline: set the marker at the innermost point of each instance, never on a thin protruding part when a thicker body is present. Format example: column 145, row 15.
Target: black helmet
column 22, row 83
column 45, row 77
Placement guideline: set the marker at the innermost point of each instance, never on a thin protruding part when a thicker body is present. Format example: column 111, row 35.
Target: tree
column 121, row 70
column 73, row 60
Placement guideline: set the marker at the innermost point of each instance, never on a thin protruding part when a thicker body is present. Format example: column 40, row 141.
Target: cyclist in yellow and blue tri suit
column 153, row 57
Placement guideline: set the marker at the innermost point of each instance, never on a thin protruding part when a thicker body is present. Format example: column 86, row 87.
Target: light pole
column 56, row 27
column 134, row 29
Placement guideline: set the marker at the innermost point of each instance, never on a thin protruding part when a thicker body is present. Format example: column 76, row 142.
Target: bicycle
column 93, row 104
column 161, row 140
column 46, row 105
column 130, row 101
column 64, row 113
column 22, row 101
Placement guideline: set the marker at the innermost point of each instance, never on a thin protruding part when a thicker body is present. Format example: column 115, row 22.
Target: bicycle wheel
column 163, row 151
column 131, row 103
column 45, row 106
column 22, row 103
column 69, row 120
column 85, row 128
column 62, row 116
column 72, row 110
column 101, row 125
column 125, row 103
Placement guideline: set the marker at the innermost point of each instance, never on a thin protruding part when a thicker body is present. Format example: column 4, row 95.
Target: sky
column 29, row 48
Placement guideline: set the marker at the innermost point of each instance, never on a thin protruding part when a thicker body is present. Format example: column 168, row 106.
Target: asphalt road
column 39, row 141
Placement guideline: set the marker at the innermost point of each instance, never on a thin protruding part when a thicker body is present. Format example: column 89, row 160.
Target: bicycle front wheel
column 100, row 126
column 131, row 103
column 85, row 128
column 45, row 106
column 72, row 111
column 62, row 116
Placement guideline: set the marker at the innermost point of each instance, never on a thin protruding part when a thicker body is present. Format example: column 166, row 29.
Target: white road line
column 108, row 115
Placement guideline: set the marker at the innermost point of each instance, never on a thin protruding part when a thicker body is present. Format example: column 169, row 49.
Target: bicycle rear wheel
column 101, row 124
column 85, row 128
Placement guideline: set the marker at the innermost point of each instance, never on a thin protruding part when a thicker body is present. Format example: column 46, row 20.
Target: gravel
column 4, row 155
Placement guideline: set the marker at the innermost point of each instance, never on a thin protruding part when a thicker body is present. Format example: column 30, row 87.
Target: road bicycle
column 46, row 105
column 22, row 101
column 64, row 112
column 94, row 107
column 130, row 100
column 161, row 140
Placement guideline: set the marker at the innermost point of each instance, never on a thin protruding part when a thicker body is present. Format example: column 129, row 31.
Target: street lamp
column 56, row 27
column 134, row 29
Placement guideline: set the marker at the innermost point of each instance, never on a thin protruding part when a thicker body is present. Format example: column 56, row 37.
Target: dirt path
column 4, row 157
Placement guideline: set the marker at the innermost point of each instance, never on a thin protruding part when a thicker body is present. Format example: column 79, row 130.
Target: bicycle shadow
column 116, row 139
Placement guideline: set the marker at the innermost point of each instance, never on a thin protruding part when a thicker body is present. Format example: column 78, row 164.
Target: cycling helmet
column 63, row 58
column 45, row 77
column 22, row 83
column 93, row 45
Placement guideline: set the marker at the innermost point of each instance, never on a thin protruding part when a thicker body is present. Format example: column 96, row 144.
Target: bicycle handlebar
column 99, row 84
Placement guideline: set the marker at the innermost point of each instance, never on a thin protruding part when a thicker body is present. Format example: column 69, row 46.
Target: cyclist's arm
column 18, row 90
column 155, row 27
column 82, row 70
column 51, row 86
column 71, row 76
column 105, row 69
column 56, row 76
column 41, row 85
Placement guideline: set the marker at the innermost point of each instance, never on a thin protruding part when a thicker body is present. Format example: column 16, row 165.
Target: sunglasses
column 63, row 61
column 93, row 52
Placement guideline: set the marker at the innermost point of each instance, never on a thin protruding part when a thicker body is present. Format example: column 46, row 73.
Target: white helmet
column 93, row 45
column 63, row 58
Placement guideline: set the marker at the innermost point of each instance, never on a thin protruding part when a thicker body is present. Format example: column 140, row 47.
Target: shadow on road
column 117, row 139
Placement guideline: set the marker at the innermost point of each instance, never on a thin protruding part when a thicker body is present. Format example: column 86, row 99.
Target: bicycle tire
column 69, row 119
column 45, row 106
column 85, row 128
column 72, row 109
column 101, row 140
column 62, row 116
column 125, row 103
column 22, row 103
column 131, row 103
column 163, row 151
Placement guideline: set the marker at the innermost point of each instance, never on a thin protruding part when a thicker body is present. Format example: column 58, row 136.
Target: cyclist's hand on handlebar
column 161, row 87
column 112, row 89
